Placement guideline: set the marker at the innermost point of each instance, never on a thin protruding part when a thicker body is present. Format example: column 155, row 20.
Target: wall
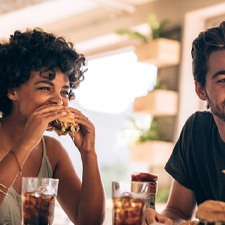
column 195, row 22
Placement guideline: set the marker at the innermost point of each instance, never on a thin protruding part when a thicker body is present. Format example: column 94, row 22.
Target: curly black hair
column 213, row 39
column 33, row 50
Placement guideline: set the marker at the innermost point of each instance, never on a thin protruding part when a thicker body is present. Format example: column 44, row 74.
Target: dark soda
column 128, row 211
column 38, row 208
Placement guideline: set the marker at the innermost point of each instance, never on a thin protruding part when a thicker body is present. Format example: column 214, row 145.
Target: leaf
column 153, row 21
column 156, row 28
column 159, row 85
column 131, row 34
column 150, row 134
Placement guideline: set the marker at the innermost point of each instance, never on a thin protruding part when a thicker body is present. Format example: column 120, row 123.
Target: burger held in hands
column 66, row 124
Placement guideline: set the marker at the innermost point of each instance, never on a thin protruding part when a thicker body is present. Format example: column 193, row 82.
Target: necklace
column 11, row 152
column 4, row 146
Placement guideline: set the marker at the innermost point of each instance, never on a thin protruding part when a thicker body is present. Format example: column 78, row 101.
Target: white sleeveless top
column 10, row 208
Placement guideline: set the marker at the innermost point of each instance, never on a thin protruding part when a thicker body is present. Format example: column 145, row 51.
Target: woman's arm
column 83, row 202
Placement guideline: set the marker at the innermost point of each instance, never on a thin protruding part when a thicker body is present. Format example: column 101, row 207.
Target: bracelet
column 17, row 161
column 3, row 192
column 2, row 185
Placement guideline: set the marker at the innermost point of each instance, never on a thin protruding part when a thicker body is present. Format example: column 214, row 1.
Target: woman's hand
column 38, row 121
column 151, row 216
column 84, row 139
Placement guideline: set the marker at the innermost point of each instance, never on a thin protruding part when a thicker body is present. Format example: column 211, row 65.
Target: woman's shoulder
column 58, row 155
column 51, row 140
column 54, row 149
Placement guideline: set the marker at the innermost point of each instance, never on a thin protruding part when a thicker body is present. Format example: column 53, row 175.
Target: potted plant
column 158, row 102
column 154, row 144
column 156, row 29
column 154, row 47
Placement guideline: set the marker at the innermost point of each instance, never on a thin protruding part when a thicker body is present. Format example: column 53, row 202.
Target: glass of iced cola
column 128, row 206
column 38, row 200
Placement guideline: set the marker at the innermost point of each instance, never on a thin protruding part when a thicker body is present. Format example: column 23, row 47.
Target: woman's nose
column 56, row 99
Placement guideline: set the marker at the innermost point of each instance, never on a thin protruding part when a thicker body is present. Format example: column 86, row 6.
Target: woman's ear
column 11, row 94
column 200, row 91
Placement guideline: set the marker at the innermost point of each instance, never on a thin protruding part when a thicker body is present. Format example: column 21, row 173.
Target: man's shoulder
column 200, row 120
column 201, row 116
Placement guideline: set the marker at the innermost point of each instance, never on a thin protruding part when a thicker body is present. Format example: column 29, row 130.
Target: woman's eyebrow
column 44, row 81
column 66, row 86
column 49, row 83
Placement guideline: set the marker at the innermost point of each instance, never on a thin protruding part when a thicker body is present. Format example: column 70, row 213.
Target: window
column 106, row 97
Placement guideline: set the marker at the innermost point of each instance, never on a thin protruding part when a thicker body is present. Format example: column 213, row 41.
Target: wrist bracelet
column 4, row 187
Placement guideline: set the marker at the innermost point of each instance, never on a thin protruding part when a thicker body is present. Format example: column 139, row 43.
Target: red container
column 152, row 180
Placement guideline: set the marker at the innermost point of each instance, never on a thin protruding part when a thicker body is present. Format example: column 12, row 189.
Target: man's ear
column 200, row 91
column 11, row 94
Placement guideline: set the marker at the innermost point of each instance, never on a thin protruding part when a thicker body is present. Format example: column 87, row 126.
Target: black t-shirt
column 198, row 158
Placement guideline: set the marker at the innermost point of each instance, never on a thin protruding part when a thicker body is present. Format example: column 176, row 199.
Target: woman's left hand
column 84, row 139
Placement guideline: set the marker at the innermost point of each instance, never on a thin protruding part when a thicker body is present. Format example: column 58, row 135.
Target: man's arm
column 180, row 207
column 181, row 204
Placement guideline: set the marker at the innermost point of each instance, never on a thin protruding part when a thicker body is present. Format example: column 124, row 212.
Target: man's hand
column 151, row 216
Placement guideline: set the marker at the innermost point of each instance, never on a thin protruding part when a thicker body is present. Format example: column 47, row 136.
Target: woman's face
column 39, row 90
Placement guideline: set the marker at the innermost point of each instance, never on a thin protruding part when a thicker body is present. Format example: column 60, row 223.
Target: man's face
column 215, row 84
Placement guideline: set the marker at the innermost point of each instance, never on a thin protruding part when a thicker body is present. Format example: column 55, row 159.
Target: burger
column 65, row 125
column 211, row 212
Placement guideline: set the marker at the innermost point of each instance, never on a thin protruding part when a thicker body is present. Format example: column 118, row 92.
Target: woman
column 38, row 72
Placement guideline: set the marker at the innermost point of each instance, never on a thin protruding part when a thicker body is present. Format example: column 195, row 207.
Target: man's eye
column 221, row 81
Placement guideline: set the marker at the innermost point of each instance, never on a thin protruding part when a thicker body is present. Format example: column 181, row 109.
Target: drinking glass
column 38, row 200
column 128, row 204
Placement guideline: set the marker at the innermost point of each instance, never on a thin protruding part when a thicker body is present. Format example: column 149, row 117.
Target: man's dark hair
column 34, row 50
column 213, row 39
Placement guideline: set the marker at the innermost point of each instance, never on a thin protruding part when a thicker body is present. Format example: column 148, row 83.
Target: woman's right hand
column 38, row 122
column 151, row 216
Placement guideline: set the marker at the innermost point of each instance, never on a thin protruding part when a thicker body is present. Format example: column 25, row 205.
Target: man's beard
column 216, row 109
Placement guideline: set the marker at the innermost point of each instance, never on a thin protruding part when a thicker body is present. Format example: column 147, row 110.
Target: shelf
column 157, row 103
column 153, row 153
column 162, row 52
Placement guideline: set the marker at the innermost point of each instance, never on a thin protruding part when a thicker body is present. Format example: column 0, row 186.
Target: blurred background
column 138, row 89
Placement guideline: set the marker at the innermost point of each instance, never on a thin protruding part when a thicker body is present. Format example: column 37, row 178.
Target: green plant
column 159, row 129
column 158, row 85
column 162, row 195
column 152, row 133
column 156, row 30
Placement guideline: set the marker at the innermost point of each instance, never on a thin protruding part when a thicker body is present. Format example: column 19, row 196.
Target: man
column 198, row 157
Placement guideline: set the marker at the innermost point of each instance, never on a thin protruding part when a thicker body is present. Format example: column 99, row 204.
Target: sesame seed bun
column 211, row 211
